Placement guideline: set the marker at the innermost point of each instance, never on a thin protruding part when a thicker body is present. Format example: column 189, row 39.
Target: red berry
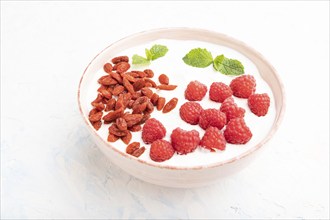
column 152, row 130
column 259, row 104
column 230, row 108
column 189, row 112
column 161, row 150
column 219, row 92
column 212, row 117
column 184, row 141
column 195, row 91
column 237, row 132
column 213, row 139
column 243, row 86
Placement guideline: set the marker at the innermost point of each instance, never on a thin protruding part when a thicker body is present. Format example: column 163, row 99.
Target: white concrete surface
column 51, row 169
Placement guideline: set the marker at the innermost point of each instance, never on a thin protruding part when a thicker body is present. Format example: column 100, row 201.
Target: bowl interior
column 88, row 85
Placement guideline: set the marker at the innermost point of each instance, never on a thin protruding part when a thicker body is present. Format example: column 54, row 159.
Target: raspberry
column 259, row 104
column 161, row 150
column 237, row 132
column 195, row 91
column 213, row 139
column 219, row 92
column 189, row 112
column 212, row 117
column 152, row 130
column 230, row 108
column 184, row 141
column 243, row 86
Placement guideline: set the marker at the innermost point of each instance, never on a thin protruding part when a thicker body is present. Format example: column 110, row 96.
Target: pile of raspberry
column 223, row 125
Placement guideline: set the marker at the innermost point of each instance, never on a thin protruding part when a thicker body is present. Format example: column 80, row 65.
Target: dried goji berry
column 127, row 138
column 95, row 117
column 120, row 102
column 140, row 100
column 163, row 79
column 117, row 77
column 141, row 74
column 139, row 84
column 136, row 95
column 132, row 147
column 97, row 125
column 128, row 77
column 149, row 73
column 153, row 84
column 120, row 59
column 110, row 105
column 154, row 99
column 166, row 87
column 102, row 87
column 160, row 103
column 112, row 138
column 147, row 92
column 111, row 116
column 135, row 128
column 149, row 108
column 113, row 129
column 128, row 86
column 148, row 84
column 98, row 99
column 130, row 104
column 170, row 105
column 106, row 93
column 121, row 124
column 139, row 108
column 107, row 67
column 121, row 67
column 132, row 74
column 99, row 106
column 107, row 81
column 138, row 152
column 126, row 98
column 92, row 112
column 118, row 89
column 132, row 119
column 145, row 117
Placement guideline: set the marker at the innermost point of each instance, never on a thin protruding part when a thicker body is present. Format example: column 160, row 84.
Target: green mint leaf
column 156, row 51
column 198, row 58
column 139, row 60
column 217, row 63
column 228, row 66
column 148, row 54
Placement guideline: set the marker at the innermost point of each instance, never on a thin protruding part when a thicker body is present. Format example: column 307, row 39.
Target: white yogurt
column 181, row 74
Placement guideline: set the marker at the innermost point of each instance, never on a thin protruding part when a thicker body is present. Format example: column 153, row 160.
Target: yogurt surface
column 181, row 74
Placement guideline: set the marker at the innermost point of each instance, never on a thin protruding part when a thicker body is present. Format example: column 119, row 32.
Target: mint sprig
column 202, row 58
column 155, row 52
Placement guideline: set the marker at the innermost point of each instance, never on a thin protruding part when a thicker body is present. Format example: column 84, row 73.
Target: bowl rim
column 212, row 165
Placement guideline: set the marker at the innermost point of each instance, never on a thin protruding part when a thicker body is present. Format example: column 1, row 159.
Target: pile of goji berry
column 125, row 101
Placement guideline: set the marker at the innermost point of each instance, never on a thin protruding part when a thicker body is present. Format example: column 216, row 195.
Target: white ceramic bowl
column 168, row 174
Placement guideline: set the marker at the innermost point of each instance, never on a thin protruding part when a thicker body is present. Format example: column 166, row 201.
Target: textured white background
column 50, row 168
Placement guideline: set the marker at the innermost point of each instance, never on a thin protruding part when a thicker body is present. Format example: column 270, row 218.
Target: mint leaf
column 228, row 66
column 139, row 60
column 148, row 54
column 156, row 51
column 198, row 58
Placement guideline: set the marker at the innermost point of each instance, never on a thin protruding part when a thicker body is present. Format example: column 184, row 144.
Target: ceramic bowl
column 184, row 175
